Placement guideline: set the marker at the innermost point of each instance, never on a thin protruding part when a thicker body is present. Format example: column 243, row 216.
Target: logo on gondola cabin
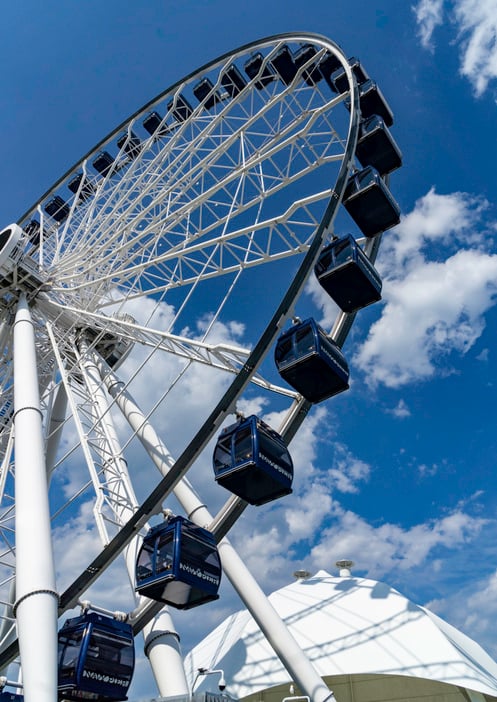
column 274, row 465
column 199, row 573
column 108, row 679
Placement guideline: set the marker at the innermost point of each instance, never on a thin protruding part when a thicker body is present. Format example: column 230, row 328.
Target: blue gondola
column 131, row 143
column 370, row 203
column 252, row 461
column 103, row 163
column 327, row 66
column 233, row 81
column 376, row 146
column 339, row 77
column 372, row 102
column 284, row 65
column 152, row 122
column 57, row 208
column 96, row 658
column 253, row 68
column 85, row 191
column 178, row 564
column 33, row 231
column 347, row 275
column 10, row 697
column 311, row 362
column 304, row 55
column 180, row 108
column 205, row 93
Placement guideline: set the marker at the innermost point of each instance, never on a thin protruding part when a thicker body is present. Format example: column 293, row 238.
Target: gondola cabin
column 178, row 564
column 311, row 362
column 103, row 163
column 152, row 122
column 252, row 461
column 130, row 142
column 32, row 230
column 372, row 102
column 233, row 81
column 370, row 203
column 83, row 185
column 347, row 275
column 376, row 147
column 180, row 108
column 255, row 68
column 205, row 93
column 340, row 79
column 284, row 65
column 96, row 658
column 303, row 56
column 57, row 208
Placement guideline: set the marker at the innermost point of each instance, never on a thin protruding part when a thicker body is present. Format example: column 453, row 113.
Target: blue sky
column 400, row 470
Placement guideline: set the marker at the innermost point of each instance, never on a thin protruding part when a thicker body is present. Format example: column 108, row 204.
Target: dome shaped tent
column 366, row 640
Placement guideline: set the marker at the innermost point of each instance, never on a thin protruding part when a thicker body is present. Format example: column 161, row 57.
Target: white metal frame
column 202, row 203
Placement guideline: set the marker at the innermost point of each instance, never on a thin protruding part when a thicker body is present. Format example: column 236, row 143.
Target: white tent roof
column 345, row 625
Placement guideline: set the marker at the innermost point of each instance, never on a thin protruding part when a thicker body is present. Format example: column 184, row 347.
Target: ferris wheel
column 147, row 300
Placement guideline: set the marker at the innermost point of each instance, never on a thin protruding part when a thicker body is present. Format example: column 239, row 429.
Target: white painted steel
column 162, row 648
column 156, row 257
column 36, row 594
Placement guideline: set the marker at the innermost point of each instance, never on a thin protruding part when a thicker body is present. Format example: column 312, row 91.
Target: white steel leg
column 162, row 648
column 36, row 595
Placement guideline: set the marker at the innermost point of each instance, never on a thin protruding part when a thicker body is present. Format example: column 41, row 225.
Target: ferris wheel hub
column 16, row 271
column 11, row 247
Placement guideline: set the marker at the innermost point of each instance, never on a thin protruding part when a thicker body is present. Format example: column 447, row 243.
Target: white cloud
column 308, row 511
column 483, row 355
column 432, row 307
column 438, row 308
column 435, row 219
column 477, row 25
column 347, row 470
column 388, row 547
column 429, row 14
column 475, row 22
column 425, row 470
column 401, row 411
column 473, row 607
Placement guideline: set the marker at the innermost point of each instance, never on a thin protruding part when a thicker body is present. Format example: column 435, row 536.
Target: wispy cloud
column 388, row 547
column 401, row 411
column 475, row 24
column 347, row 470
column 429, row 14
column 472, row 608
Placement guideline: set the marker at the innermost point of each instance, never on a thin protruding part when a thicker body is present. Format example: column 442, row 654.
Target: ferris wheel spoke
column 105, row 331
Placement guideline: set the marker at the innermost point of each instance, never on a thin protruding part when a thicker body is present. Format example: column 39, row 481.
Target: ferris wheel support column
column 36, row 596
column 286, row 648
column 162, row 648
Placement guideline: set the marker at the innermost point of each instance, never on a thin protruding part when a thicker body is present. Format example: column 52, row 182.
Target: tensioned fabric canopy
column 347, row 626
